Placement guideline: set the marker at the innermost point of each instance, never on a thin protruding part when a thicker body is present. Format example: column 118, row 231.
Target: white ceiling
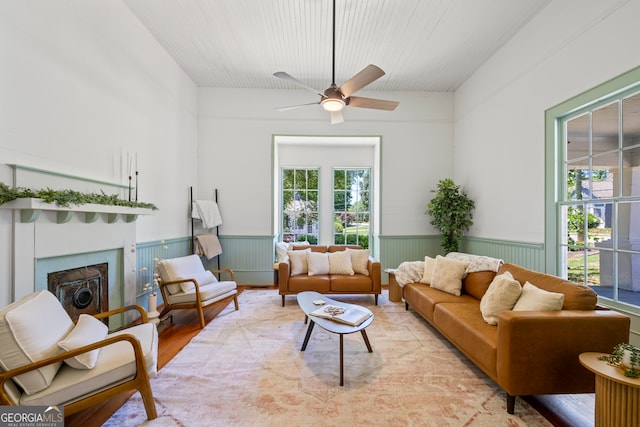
column 422, row 45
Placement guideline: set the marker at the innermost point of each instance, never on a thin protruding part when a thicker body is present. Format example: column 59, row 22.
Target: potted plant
column 451, row 212
column 626, row 357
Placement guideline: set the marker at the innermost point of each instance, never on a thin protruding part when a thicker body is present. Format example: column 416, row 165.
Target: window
column 300, row 205
column 599, row 204
column 351, row 212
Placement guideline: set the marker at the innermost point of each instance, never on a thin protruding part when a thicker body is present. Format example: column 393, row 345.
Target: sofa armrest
column 375, row 272
column 283, row 276
column 537, row 351
column 5, row 398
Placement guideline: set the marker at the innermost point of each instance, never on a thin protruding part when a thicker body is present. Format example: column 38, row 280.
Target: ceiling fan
column 335, row 98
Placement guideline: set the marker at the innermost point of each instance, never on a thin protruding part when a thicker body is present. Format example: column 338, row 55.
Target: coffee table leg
column 306, row 338
column 342, row 360
column 366, row 341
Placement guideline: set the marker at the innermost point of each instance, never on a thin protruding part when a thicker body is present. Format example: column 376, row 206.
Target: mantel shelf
column 30, row 209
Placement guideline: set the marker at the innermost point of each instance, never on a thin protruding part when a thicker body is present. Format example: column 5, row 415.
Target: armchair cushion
column 208, row 293
column 203, row 278
column 23, row 344
column 185, row 266
column 88, row 330
column 115, row 364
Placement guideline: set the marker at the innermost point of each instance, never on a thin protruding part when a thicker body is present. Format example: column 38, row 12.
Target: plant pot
column 626, row 359
column 152, row 312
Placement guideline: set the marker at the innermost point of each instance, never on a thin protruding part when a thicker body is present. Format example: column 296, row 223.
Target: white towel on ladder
column 206, row 211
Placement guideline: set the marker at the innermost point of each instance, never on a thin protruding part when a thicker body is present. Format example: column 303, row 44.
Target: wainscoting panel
column 396, row 249
column 529, row 255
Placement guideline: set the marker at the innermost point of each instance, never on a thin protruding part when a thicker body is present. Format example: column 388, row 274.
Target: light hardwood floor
column 561, row 410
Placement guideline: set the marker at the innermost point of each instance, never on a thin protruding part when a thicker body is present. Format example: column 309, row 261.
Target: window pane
column 351, row 206
column 300, row 205
column 578, row 137
column 631, row 172
column 631, row 120
column 575, row 266
column 605, row 132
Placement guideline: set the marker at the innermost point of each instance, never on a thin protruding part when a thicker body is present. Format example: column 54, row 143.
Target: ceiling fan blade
column 336, row 117
column 291, row 107
column 285, row 76
column 376, row 104
column 368, row 75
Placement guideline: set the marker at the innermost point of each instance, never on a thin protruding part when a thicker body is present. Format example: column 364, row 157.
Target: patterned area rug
column 246, row 369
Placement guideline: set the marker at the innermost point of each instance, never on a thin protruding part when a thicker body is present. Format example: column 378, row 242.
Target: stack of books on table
column 349, row 316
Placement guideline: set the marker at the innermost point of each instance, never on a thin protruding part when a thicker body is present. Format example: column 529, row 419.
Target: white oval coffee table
column 305, row 301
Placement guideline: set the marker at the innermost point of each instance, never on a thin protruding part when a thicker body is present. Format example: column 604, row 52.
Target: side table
column 617, row 396
column 395, row 293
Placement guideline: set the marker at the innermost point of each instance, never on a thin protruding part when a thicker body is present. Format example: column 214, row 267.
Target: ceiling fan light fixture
column 332, row 104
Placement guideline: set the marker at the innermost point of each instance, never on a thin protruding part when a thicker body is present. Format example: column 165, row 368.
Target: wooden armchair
column 185, row 283
column 98, row 368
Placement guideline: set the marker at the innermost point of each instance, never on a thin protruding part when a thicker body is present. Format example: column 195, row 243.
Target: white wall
column 82, row 85
column 235, row 151
column 571, row 46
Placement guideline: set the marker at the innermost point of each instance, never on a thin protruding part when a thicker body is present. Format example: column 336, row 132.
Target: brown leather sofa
column 330, row 283
column 528, row 352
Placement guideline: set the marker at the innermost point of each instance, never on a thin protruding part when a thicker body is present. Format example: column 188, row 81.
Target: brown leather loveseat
column 329, row 283
column 527, row 352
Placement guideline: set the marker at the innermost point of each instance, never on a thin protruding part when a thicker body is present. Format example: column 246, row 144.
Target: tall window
column 300, row 205
column 600, row 204
column 351, row 208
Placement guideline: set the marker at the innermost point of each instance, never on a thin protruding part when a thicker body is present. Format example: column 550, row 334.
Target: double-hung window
column 351, row 207
column 300, row 204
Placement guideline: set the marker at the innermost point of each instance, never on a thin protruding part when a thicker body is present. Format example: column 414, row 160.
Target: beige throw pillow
column 359, row 260
column 87, row 331
column 317, row 263
column 340, row 263
column 448, row 274
column 298, row 262
column 501, row 296
column 536, row 299
column 429, row 266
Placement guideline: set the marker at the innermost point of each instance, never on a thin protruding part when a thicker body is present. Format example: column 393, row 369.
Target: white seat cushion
column 115, row 364
column 30, row 330
column 208, row 293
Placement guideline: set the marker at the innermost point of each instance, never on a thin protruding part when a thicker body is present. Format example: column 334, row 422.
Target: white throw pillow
column 536, row 299
column 502, row 294
column 203, row 278
column 88, row 330
column 429, row 266
column 30, row 329
column 359, row 260
column 298, row 262
column 340, row 263
column 448, row 274
column 281, row 251
column 317, row 263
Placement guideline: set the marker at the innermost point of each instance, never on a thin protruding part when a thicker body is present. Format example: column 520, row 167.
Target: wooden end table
column 395, row 293
column 617, row 396
column 305, row 301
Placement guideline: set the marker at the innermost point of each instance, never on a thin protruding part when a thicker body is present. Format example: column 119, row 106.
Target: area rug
column 246, row 369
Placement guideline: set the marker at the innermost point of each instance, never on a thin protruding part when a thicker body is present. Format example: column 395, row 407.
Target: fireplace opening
column 83, row 290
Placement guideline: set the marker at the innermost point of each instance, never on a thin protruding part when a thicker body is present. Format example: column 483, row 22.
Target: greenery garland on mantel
column 67, row 198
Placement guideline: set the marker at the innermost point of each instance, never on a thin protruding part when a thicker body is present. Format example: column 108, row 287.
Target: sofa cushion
column 424, row 298
column 536, row 299
column 30, row 330
column 447, row 275
column 88, row 330
column 350, row 283
column 576, row 296
column 203, row 278
column 477, row 283
column 340, row 263
column 427, row 274
column 502, row 295
column 317, row 263
column 303, row 282
column 359, row 260
column 298, row 261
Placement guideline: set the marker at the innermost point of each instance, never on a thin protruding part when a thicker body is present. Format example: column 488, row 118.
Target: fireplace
column 83, row 290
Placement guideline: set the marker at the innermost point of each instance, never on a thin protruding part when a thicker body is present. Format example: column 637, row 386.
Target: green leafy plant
column 66, row 198
column 451, row 212
column 616, row 356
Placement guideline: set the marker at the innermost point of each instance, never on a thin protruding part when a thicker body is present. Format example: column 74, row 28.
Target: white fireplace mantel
column 30, row 209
